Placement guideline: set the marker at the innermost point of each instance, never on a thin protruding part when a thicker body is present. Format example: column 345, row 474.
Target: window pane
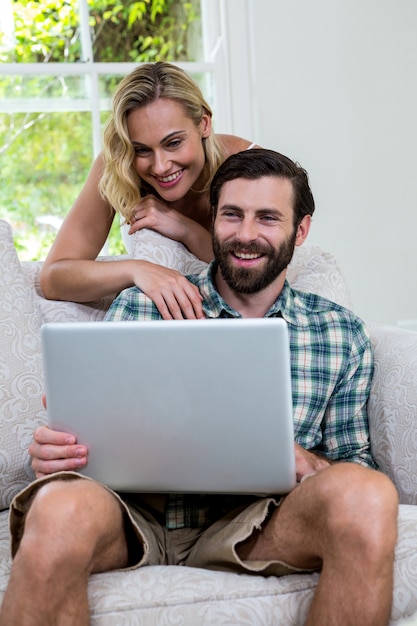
column 145, row 31
column 49, row 122
column 39, row 32
column 54, row 31
column 42, row 92
column 44, row 161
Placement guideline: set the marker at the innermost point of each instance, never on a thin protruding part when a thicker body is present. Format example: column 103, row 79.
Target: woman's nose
column 161, row 164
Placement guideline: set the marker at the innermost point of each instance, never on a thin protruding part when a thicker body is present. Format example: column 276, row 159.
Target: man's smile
column 247, row 256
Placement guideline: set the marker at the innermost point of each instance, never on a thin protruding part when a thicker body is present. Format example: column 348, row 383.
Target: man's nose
column 247, row 231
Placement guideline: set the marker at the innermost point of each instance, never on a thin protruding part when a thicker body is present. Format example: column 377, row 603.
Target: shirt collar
column 214, row 306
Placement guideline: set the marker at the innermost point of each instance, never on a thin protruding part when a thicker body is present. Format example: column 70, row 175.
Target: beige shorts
column 150, row 543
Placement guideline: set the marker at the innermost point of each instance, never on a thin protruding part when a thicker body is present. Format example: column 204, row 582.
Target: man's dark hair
column 259, row 162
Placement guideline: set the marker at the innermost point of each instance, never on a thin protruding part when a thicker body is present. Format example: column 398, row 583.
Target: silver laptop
column 193, row 406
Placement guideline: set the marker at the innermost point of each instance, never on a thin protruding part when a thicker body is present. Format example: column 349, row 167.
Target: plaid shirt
column 331, row 367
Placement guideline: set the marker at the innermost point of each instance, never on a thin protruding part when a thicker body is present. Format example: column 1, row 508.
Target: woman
column 159, row 156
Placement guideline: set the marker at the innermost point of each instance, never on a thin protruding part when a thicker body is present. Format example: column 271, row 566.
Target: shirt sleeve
column 346, row 426
column 132, row 305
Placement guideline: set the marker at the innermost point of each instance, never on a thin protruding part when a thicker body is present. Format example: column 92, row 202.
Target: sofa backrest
column 392, row 407
column 21, row 409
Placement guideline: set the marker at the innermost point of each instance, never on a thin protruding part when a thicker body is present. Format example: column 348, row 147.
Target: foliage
column 157, row 29
column 149, row 30
column 45, row 156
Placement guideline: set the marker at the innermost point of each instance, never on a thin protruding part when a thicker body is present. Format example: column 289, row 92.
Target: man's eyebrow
column 164, row 140
column 260, row 211
column 274, row 210
column 230, row 207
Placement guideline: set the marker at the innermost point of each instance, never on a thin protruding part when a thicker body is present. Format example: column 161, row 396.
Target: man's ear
column 303, row 230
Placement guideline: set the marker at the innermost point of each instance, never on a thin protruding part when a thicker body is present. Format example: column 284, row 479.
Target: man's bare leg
column 73, row 528
column 344, row 518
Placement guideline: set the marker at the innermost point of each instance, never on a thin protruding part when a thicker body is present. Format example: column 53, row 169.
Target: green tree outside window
column 45, row 155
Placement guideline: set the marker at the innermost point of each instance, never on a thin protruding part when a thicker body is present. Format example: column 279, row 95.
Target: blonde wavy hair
column 120, row 184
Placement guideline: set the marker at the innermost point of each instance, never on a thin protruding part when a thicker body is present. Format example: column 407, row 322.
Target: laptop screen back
column 197, row 406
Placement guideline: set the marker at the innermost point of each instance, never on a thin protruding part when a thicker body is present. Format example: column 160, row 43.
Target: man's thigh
column 299, row 531
column 218, row 547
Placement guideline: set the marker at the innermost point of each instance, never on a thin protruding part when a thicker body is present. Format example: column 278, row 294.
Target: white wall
column 334, row 86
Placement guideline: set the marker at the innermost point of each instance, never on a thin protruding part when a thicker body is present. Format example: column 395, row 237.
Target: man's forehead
column 265, row 191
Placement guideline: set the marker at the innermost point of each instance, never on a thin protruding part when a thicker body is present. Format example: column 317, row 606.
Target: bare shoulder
column 97, row 166
column 233, row 144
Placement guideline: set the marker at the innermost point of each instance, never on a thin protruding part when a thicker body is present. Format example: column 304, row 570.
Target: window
column 60, row 61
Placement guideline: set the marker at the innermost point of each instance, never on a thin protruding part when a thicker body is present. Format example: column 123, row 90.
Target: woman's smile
column 170, row 180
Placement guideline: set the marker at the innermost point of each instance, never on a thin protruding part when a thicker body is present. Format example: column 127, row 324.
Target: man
column 341, row 517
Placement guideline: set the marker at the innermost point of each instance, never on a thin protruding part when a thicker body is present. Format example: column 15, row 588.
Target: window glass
column 145, row 31
column 111, row 31
column 41, row 91
column 50, row 118
column 44, row 162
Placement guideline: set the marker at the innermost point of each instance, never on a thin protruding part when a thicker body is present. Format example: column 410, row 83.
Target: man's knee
column 358, row 502
column 76, row 521
column 351, row 487
column 71, row 515
column 61, row 501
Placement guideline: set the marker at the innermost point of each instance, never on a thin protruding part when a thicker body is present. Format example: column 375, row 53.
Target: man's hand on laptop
column 308, row 463
column 54, row 451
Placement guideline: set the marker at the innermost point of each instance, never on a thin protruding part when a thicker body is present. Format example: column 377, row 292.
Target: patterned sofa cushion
column 21, row 409
column 392, row 407
column 61, row 310
column 148, row 245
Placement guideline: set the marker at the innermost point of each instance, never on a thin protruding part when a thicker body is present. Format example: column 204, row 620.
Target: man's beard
column 252, row 280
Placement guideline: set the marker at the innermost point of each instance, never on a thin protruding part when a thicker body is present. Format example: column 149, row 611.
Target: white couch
column 168, row 595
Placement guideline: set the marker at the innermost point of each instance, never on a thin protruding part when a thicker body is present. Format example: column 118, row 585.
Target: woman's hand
column 174, row 296
column 54, row 451
column 153, row 213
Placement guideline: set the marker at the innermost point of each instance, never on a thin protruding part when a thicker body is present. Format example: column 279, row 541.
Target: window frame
column 226, row 51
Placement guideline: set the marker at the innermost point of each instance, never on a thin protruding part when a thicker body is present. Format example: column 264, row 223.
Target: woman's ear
column 205, row 125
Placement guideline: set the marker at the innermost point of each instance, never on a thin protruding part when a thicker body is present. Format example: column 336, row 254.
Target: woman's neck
column 196, row 206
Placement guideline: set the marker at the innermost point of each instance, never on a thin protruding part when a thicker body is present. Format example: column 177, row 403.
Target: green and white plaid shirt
column 331, row 367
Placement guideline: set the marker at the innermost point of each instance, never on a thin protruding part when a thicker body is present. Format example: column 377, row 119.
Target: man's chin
column 244, row 281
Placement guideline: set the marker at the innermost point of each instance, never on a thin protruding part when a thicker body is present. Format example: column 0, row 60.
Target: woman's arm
column 71, row 272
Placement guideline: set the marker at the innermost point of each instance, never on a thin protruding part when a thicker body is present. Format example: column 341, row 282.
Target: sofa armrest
column 392, row 407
